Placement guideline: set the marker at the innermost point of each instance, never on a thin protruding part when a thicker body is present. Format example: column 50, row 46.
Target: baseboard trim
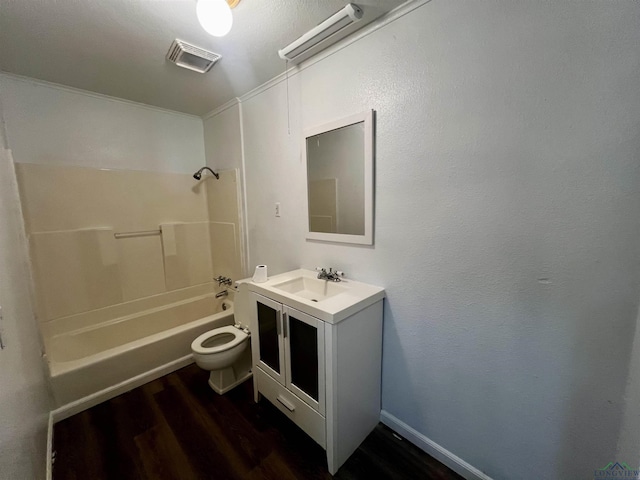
column 94, row 399
column 49, row 466
column 438, row 452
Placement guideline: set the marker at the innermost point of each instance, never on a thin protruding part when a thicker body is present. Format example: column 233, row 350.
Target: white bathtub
column 140, row 345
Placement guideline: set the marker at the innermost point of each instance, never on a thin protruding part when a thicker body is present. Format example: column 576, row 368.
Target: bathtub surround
column 224, row 150
column 75, row 271
column 506, row 222
column 187, row 254
column 115, row 221
column 73, row 215
column 104, row 239
column 226, row 231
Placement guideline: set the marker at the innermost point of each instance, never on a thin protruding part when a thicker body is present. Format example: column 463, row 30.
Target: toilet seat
column 239, row 337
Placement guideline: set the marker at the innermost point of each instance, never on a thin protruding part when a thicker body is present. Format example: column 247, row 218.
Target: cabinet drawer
column 298, row 411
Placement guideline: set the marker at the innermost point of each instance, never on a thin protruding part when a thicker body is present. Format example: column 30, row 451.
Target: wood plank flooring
column 177, row 428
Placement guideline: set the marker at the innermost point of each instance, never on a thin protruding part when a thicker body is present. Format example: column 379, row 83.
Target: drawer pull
column 288, row 405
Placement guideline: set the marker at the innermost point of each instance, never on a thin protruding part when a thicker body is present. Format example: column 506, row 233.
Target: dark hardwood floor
column 176, row 427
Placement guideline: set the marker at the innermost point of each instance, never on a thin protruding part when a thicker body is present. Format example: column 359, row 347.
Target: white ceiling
column 118, row 47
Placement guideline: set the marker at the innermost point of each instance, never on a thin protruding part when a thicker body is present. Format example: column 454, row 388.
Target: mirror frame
column 368, row 119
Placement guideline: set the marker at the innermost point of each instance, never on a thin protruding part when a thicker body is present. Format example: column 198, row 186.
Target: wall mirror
column 339, row 171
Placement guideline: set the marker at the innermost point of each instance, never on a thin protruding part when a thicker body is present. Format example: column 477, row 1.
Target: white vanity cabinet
column 322, row 373
column 289, row 352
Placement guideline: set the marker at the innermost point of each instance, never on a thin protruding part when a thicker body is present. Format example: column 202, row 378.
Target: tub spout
column 223, row 293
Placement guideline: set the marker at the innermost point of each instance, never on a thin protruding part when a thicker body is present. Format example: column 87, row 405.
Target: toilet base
column 219, row 386
column 221, row 381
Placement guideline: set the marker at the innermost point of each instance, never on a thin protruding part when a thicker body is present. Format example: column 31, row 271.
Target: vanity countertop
column 329, row 301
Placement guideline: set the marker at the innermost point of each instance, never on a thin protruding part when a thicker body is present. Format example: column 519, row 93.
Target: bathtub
column 118, row 354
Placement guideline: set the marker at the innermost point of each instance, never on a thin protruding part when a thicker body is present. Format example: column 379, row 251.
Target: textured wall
column 50, row 124
column 24, row 396
column 506, row 221
column 222, row 139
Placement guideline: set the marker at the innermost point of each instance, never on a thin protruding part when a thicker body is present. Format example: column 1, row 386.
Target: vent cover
column 189, row 56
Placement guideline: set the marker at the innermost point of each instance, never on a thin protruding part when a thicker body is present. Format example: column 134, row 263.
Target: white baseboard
column 94, row 399
column 50, row 447
column 432, row 448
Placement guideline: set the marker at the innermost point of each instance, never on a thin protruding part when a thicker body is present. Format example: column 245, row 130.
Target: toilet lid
column 238, row 337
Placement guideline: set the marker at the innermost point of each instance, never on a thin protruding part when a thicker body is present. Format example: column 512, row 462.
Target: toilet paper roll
column 260, row 275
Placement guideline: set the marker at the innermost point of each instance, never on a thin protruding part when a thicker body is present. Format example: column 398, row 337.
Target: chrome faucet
column 330, row 275
column 221, row 294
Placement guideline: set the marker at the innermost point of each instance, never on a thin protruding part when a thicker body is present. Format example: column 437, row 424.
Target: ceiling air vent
column 189, row 56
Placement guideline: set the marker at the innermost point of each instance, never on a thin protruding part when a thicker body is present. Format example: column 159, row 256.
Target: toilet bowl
column 224, row 352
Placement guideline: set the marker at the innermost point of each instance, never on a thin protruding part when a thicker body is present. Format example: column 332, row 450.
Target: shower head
column 198, row 174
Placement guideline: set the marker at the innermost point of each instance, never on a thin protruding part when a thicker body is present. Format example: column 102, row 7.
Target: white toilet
column 225, row 352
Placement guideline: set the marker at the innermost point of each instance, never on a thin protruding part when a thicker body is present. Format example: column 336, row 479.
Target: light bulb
column 215, row 16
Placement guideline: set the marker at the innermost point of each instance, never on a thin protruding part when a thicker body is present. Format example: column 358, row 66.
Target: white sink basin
column 311, row 288
column 331, row 302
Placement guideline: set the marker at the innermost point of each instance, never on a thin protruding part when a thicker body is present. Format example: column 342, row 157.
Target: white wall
column 222, row 138
column 24, row 394
column 51, row 124
column 507, row 226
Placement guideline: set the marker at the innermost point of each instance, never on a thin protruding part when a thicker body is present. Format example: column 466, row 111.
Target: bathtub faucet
column 223, row 293
column 223, row 280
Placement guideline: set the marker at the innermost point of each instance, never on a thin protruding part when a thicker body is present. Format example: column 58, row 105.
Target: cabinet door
column 270, row 341
column 304, row 356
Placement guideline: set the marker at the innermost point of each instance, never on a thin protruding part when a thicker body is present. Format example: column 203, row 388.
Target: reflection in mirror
column 335, row 178
column 339, row 167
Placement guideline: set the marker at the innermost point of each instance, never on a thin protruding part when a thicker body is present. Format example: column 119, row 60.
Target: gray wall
column 24, row 394
column 506, row 220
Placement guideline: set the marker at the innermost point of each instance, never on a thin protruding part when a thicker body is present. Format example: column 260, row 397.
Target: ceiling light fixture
column 323, row 34
column 215, row 16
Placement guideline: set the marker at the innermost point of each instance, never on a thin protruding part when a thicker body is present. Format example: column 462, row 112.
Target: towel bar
column 146, row 233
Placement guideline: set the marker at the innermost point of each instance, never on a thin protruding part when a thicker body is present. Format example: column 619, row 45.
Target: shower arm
column 198, row 174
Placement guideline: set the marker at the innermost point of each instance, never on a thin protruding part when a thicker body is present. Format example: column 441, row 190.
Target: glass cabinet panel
column 268, row 336
column 303, row 348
